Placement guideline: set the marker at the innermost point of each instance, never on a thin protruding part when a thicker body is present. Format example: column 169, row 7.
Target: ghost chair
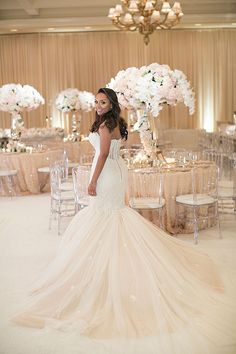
column 200, row 207
column 7, row 182
column 146, row 191
column 227, row 191
column 62, row 200
column 81, row 177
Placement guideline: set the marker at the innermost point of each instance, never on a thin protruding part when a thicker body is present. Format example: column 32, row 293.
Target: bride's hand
column 92, row 189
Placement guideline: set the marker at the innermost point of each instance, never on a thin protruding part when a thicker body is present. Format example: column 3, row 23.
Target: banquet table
column 175, row 182
column 74, row 149
column 29, row 181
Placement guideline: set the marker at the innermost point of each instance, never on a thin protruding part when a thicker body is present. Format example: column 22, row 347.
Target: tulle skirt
column 119, row 279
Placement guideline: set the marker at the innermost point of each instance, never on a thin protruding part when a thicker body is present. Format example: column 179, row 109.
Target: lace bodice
column 114, row 151
column 112, row 181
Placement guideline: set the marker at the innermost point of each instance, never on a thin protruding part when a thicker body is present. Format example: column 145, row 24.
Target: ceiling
column 29, row 16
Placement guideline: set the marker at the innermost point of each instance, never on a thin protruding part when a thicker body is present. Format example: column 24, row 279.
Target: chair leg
column 196, row 231
column 176, row 226
column 76, row 207
column 1, row 187
column 59, row 225
column 51, row 215
column 218, row 221
column 161, row 218
column 234, row 201
column 10, row 185
column 219, row 227
column 59, row 220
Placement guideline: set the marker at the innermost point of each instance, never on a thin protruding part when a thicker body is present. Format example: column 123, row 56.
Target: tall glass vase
column 145, row 132
column 76, row 123
column 16, row 123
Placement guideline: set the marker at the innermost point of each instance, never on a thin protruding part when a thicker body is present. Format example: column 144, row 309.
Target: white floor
column 27, row 246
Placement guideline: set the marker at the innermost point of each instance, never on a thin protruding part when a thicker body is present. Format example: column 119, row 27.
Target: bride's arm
column 105, row 142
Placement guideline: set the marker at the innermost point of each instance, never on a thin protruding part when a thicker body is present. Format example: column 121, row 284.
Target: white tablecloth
column 28, row 180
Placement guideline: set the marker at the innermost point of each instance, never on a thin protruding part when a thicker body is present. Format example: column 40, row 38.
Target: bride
column 118, row 276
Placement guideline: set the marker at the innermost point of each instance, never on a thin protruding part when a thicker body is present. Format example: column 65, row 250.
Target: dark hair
column 112, row 117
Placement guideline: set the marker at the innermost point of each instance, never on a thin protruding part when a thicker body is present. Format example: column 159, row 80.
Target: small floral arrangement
column 41, row 133
column 17, row 98
column 149, row 87
column 71, row 100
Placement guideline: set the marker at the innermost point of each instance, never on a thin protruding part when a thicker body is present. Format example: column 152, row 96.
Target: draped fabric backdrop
column 87, row 61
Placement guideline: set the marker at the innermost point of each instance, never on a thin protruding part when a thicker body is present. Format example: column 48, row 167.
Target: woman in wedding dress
column 117, row 276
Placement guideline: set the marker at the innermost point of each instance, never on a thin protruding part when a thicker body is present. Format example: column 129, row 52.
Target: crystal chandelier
column 145, row 16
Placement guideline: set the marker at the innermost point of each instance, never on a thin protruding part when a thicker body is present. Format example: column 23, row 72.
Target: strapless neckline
column 111, row 139
column 114, row 150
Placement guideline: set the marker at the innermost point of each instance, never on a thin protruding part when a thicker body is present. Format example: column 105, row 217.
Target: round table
column 29, row 179
column 27, row 164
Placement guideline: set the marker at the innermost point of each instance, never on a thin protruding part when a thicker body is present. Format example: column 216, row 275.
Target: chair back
column 81, row 178
column 205, row 182
column 86, row 159
column 146, row 183
column 55, row 180
column 63, row 166
column 233, row 173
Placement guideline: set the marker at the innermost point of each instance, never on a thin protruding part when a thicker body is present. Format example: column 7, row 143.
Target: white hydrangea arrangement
column 17, row 98
column 72, row 100
column 147, row 89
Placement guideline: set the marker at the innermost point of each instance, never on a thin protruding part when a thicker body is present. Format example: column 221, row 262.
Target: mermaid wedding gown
column 116, row 275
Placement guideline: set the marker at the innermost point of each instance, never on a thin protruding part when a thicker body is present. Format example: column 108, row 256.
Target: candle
column 170, row 159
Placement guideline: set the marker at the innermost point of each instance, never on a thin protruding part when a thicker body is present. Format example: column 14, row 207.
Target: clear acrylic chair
column 232, row 165
column 86, row 159
column 81, row 177
column 64, row 165
column 200, row 207
column 227, row 191
column 146, row 191
column 66, row 171
column 62, row 201
column 216, row 157
column 7, row 182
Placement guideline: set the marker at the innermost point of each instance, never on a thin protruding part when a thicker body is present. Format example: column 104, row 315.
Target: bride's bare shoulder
column 103, row 125
column 103, row 130
column 116, row 133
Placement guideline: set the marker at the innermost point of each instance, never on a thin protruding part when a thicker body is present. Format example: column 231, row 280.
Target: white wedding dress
column 118, row 277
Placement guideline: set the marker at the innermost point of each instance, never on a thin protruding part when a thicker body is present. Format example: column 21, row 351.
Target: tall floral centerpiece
column 16, row 98
column 75, row 101
column 147, row 89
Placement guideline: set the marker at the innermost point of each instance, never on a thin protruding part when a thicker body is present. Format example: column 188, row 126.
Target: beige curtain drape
column 87, row 61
